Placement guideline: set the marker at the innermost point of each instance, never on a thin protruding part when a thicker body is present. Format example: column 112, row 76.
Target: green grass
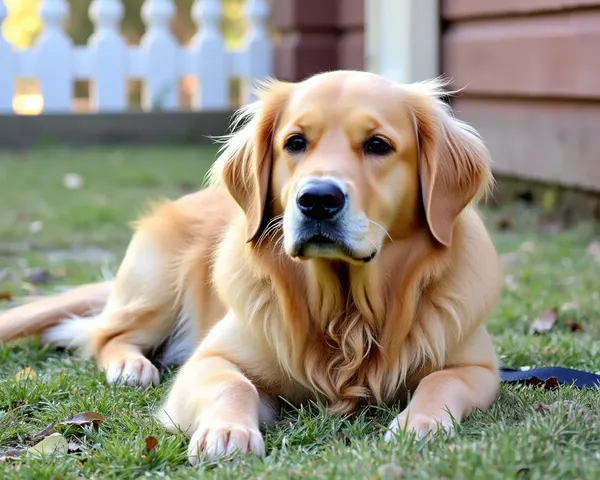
column 511, row 440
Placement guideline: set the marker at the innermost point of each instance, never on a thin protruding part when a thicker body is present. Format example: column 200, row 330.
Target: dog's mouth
column 324, row 245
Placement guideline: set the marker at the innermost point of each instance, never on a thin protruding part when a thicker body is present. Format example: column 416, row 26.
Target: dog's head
column 347, row 161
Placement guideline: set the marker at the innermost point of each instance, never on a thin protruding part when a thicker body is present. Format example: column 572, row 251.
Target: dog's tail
column 40, row 316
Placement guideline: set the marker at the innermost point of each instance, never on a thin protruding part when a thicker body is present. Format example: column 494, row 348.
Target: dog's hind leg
column 141, row 312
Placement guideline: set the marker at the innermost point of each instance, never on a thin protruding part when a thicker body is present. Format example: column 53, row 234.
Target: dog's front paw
column 213, row 440
column 422, row 426
column 132, row 371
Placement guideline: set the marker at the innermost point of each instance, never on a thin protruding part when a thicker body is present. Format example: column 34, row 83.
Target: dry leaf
column 150, row 443
column 5, row 296
column 83, row 419
column 593, row 250
column 544, row 322
column 25, row 374
column 49, row 430
column 17, row 403
column 504, row 223
column 573, row 326
column 549, row 384
column 74, row 447
column 54, row 443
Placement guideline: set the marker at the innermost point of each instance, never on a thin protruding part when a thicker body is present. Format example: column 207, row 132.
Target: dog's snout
column 320, row 200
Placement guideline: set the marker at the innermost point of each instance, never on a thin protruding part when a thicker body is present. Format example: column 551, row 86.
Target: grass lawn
column 74, row 233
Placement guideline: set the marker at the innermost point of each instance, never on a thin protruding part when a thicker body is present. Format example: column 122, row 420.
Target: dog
column 336, row 254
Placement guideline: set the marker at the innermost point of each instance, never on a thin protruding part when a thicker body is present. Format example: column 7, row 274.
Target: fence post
column 54, row 52
column 109, row 56
column 7, row 61
column 259, row 50
column 209, row 59
column 160, row 51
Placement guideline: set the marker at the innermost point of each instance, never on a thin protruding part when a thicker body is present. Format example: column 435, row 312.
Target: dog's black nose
column 320, row 200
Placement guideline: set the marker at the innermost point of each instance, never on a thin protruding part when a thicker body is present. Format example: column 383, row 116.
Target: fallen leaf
column 83, row 419
column 550, row 383
column 74, row 447
column 544, row 322
column 5, row 296
column 504, row 223
column 150, row 443
column 572, row 407
column 17, row 403
column 38, row 276
column 390, row 470
column 54, row 443
column 573, row 326
column 73, row 181
column 25, row 374
column 49, row 430
column 593, row 250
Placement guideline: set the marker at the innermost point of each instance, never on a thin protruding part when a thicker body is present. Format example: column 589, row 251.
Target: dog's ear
column 454, row 164
column 245, row 165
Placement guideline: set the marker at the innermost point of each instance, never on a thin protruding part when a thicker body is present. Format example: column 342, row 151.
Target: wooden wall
column 531, row 72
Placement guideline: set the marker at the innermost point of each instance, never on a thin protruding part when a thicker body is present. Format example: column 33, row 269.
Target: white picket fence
column 160, row 61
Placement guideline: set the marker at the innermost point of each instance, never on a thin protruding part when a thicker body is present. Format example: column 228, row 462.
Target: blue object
column 550, row 377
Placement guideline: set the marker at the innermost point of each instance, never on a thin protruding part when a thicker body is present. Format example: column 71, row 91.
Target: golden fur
column 217, row 278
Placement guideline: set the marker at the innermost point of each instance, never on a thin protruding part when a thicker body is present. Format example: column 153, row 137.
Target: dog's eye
column 377, row 146
column 295, row 144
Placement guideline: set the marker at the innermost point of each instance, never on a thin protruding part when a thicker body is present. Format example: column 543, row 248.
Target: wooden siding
column 531, row 77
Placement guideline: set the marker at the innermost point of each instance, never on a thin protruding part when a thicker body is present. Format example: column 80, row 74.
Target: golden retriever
column 337, row 255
